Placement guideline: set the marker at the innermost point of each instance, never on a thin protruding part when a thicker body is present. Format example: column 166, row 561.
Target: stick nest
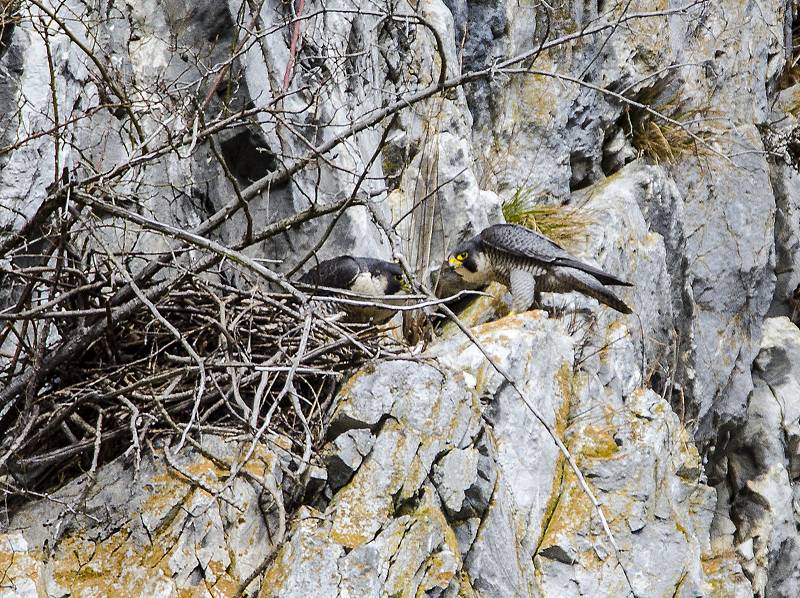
column 266, row 367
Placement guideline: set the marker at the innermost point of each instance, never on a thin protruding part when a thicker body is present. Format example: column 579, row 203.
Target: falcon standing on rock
column 367, row 278
column 528, row 263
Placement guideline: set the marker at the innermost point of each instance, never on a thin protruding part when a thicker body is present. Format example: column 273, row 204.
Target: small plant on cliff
column 663, row 127
column 664, row 142
column 560, row 223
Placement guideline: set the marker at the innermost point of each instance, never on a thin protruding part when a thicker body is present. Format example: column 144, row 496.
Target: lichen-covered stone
column 512, row 519
column 155, row 534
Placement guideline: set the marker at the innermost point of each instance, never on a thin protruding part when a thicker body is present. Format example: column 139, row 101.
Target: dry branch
column 282, row 366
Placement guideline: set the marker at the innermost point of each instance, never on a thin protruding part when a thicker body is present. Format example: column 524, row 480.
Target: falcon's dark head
column 385, row 278
column 470, row 261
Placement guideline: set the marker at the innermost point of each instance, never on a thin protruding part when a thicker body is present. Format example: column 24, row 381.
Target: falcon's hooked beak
column 454, row 262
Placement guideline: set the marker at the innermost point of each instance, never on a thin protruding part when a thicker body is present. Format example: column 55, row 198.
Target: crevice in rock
column 248, row 156
column 782, row 144
column 581, row 167
column 480, row 30
column 9, row 18
column 482, row 524
column 552, row 506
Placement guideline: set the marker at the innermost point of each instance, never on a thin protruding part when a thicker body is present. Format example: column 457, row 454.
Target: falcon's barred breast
column 528, row 263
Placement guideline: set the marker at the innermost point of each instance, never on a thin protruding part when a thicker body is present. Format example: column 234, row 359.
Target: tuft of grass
column 560, row 223
column 664, row 142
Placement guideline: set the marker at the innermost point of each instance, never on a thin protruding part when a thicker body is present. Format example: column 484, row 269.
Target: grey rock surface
column 156, row 532
column 501, row 494
column 757, row 476
column 720, row 242
column 438, row 480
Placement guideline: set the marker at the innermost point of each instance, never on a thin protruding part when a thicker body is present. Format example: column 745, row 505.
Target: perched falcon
column 529, row 263
column 362, row 275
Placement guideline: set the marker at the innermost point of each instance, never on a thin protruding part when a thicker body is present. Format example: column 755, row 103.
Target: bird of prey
column 365, row 277
column 528, row 263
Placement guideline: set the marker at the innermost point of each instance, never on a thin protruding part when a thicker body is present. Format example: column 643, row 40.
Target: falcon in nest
column 528, row 263
column 368, row 279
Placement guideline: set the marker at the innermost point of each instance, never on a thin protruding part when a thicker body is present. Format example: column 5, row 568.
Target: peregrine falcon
column 528, row 263
column 366, row 276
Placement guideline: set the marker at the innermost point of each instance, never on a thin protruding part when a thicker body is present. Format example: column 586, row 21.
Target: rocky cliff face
column 672, row 125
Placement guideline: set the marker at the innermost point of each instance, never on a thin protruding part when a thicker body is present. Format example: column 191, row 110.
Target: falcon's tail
column 588, row 285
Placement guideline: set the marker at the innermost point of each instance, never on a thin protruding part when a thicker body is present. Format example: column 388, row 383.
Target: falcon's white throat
column 484, row 274
column 366, row 284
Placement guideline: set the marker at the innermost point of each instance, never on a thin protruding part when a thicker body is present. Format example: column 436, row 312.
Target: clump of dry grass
column 562, row 224
column 664, row 142
column 666, row 129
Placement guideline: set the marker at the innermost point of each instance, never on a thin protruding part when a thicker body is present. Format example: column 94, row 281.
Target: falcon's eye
column 398, row 277
column 462, row 256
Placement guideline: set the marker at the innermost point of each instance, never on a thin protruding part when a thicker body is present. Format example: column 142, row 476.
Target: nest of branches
column 204, row 357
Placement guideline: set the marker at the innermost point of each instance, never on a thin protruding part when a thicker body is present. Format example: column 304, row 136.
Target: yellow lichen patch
column 597, row 443
column 479, row 310
column 347, row 387
column 569, row 385
column 171, row 488
column 566, row 383
column 427, row 526
column 721, row 575
column 261, row 462
column 650, row 238
column 683, row 531
column 204, row 469
column 440, row 572
column 168, row 489
column 564, row 477
column 109, row 568
column 415, row 475
column 572, row 513
column 465, row 589
column 552, row 500
column 503, row 325
column 278, row 572
column 19, row 568
column 355, row 515
column 225, row 584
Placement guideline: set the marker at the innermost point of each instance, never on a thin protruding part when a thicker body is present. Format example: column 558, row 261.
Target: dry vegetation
column 665, row 143
column 560, row 223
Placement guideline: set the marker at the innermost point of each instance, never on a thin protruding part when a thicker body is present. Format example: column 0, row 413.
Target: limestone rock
column 760, row 465
column 502, row 496
column 154, row 534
